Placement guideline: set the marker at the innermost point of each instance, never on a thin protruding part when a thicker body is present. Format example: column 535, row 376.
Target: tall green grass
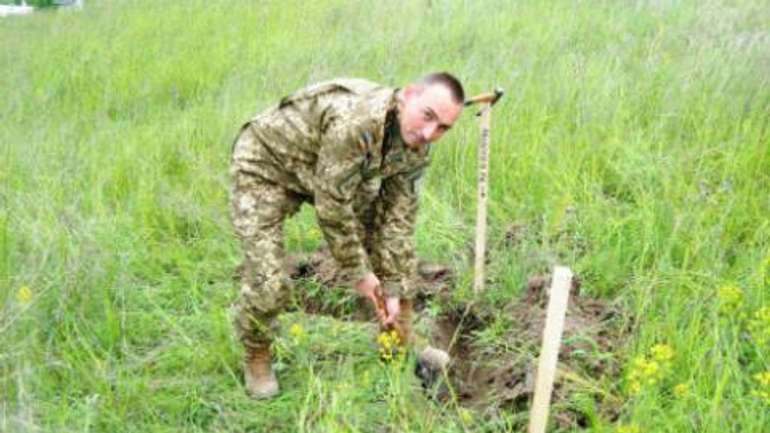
column 632, row 145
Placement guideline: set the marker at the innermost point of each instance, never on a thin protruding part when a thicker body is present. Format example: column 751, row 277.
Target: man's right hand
column 367, row 287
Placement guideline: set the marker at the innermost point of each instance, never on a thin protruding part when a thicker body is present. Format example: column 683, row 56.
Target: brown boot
column 261, row 382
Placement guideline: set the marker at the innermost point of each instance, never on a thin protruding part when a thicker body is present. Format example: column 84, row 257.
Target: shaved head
column 449, row 81
column 429, row 107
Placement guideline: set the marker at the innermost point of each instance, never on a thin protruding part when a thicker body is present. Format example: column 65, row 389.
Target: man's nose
column 428, row 132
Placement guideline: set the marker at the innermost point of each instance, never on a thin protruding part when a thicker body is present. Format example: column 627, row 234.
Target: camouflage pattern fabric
column 337, row 146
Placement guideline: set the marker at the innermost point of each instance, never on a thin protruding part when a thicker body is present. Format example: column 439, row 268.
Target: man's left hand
column 393, row 305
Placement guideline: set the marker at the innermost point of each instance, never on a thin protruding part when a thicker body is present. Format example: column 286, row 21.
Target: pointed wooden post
column 549, row 354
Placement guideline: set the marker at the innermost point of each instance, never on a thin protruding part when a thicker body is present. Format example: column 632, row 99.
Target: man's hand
column 369, row 287
column 394, row 307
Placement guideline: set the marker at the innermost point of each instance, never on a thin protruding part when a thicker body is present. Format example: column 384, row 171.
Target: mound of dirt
column 493, row 374
column 502, row 377
column 434, row 282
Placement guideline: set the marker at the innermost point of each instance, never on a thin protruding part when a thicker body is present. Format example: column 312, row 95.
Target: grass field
column 633, row 144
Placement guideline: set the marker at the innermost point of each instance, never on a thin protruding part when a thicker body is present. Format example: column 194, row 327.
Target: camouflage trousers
column 258, row 208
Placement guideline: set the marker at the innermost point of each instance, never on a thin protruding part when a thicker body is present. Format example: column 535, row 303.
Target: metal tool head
column 431, row 368
column 490, row 98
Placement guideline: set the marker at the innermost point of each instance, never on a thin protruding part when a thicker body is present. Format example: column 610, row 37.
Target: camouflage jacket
column 331, row 141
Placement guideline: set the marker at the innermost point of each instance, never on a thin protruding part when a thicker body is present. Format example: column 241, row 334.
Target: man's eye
column 428, row 115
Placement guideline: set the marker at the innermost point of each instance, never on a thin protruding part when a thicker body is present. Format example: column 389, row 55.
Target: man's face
column 426, row 112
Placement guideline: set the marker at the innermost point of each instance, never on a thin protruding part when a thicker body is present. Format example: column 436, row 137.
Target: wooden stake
column 481, row 206
column 549, row 354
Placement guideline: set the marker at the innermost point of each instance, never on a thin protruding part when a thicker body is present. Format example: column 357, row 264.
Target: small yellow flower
column 763, row 378
column 764, row 386
column 390, row 344
column 465, row 415
column 649, row 371
column 383, row 339
column 639, row 362
column 388, row 339
column 630, row 428
column 297, row 332
column 759, row 325
column 645, row 369
column 730, row 298
column 681, row 390
column 662, row 352
column 394, row 337
column 24, row 295
column 763, row 315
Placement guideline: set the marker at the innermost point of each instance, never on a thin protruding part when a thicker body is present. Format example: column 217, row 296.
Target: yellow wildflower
column 639, row 362
column 388, row 339
column 681, row 390
column 394, row 337
column 297, row 332
column 630, row 428
column 650, row 370
column 643, row 371
column 645, row 368
column 662, row 352
column 764, row 386
column 465, row 415
column 634, row 387
column 730, row 298
column 390, row 344
column 24, row 295
column 315, row 232
column 763, row 378
column 759, row 325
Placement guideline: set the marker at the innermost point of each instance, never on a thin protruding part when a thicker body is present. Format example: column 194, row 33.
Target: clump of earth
column 493, row 375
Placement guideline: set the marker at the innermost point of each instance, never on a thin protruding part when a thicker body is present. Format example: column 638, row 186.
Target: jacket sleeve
column 393, row 251
column 343, row 150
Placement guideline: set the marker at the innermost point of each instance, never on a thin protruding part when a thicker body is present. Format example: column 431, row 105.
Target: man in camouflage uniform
column 354, row 149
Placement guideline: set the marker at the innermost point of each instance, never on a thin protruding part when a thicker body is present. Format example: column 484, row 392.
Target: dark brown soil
column 497, row 374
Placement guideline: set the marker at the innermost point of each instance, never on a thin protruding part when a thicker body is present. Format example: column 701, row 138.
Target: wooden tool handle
column 382, row 306
column 480, row 246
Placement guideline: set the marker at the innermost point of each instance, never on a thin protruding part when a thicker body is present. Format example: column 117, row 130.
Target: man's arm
column 393, row 252
column 338, row 174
